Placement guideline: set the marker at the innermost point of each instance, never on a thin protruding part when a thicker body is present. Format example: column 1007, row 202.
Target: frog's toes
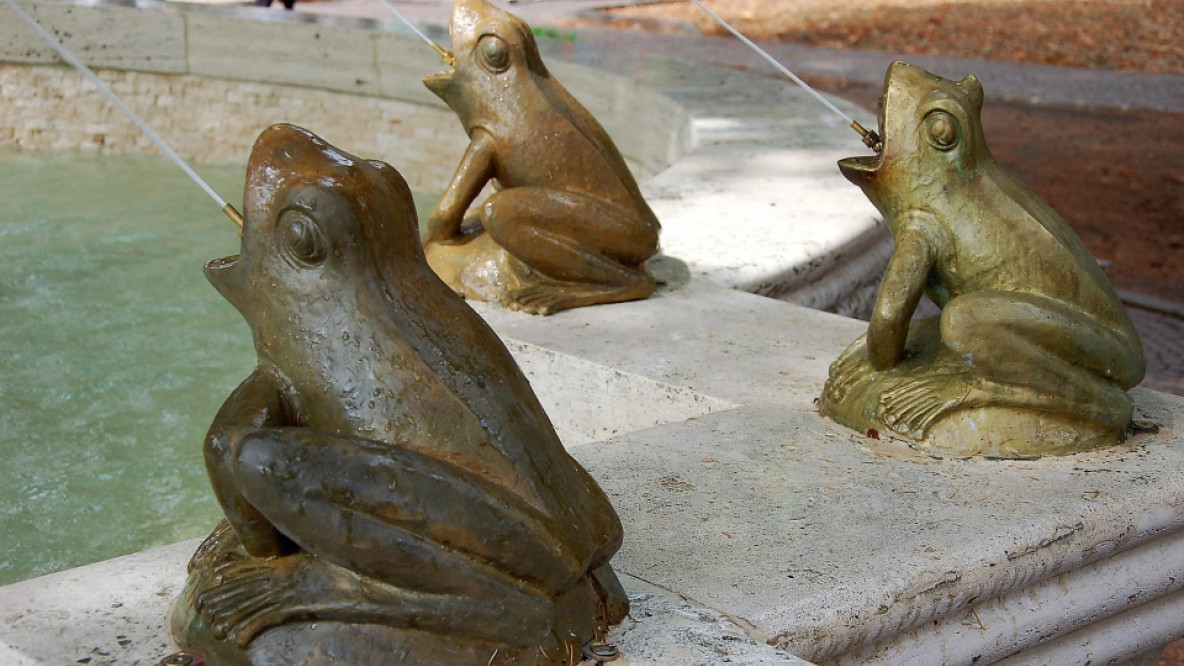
column 221, row 547
column 844, row 374
column 536, row 300
column 246, row 599
column 913, row 406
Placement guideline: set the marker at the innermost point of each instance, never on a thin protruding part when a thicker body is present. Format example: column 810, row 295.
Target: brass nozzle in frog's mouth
column 445, row 54
column 861, row 170
column 871, row 138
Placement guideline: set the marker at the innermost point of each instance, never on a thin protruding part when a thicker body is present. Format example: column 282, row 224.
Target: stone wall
column 216, row 120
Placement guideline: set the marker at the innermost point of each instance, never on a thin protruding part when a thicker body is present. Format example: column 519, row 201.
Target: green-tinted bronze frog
column 1033, row 352
column 394, row 492
column 567, row 225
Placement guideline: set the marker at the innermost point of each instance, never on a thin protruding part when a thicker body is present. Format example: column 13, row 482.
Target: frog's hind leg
column 593, row 251
column 441, row 548
column 1036, row 352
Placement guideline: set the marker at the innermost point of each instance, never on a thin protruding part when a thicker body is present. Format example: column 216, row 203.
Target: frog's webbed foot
column 548, row 297
column 222, row 546
column 913, row 405
column 848, row 370
column 249, row 596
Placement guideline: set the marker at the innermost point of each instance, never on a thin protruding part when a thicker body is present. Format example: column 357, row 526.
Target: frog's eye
column 494, row 55
column 300, row 239
column 941, row 130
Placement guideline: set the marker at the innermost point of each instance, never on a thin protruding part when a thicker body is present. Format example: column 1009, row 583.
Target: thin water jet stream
column 870, row 138
column 444, row 53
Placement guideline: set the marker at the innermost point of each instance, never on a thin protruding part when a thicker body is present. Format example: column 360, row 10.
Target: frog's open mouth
column 443, row 84
column 440, row 83
column 860, row 170
column 225, row 275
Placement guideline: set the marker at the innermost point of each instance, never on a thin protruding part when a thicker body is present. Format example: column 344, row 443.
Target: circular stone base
column 476, row 267
column 934, row 400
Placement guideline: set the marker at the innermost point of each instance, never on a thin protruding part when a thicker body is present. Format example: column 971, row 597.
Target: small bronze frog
column 1033, row 352
column 567, row 225
column 393, row 490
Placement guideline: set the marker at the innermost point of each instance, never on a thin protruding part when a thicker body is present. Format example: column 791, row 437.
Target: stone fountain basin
column 756, row 529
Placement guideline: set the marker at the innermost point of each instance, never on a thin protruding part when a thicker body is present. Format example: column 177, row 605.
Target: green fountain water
column 114, row 355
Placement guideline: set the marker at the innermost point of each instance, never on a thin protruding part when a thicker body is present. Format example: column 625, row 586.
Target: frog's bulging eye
column 942, row 130
column 494, row 54
column 301, row 239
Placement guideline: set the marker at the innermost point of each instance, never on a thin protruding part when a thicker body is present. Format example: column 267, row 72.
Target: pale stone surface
column 839, row 547
column 113, row 612
column 402, row 63
column 107, row 613
column 217, row 121
column 589, row 402
column 664, row 628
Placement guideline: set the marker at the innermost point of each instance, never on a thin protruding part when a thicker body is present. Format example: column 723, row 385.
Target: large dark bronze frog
column 1033, row 352
column 566, row 225
column 394, row 492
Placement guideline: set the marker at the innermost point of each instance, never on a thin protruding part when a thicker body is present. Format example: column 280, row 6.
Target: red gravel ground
column 1110, row 34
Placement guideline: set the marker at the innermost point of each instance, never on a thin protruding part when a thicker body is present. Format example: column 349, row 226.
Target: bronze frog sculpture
column 567, row 225
column 1033, row 352
column 393, row 490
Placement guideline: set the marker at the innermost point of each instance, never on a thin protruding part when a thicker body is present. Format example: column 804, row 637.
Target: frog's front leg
column 476, row 168
column 594, row 250
column 254, row 404
column 904, row 282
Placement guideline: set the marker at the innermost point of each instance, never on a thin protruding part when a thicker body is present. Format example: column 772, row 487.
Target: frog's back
column 1035, row 251
column 566, row 148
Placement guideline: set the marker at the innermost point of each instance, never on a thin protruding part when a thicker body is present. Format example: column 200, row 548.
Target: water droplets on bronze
column 465, row 531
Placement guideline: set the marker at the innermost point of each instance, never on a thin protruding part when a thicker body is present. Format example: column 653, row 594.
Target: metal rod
column 444, row 53
column 164, row 147
column 870, row 138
